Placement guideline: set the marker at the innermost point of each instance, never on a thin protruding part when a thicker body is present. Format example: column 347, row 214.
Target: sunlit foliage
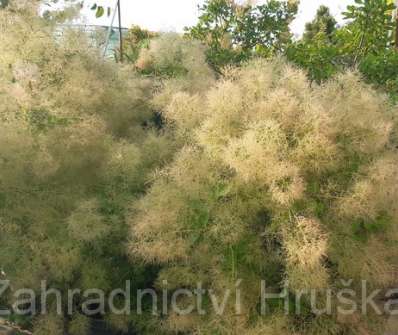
column 234, row 31
column 278, row 180
column 77, row 144
column 160, row 171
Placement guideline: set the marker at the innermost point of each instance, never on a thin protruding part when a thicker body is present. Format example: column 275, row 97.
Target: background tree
column 318, row 51
column 371, row 26
column 368, row 42
column 324, row 22
column 234, row 32
column 364, row 42
column 319, row 56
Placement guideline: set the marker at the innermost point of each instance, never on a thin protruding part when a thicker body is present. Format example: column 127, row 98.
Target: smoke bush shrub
column 77, row 144
column 280, row 180
column 178, row 63
column 258, row 175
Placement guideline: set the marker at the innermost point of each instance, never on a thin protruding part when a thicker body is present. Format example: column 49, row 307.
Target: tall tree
column 323, row 22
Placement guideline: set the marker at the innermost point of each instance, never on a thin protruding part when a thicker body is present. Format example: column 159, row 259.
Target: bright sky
column 174, row 15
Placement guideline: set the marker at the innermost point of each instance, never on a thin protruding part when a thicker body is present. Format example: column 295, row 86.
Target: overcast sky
column 174, row 15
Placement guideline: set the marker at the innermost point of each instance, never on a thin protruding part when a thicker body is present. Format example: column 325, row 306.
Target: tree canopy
column 324, row 22
column 234, row 33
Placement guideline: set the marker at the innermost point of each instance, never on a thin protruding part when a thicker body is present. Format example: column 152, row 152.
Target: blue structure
column 97, row 34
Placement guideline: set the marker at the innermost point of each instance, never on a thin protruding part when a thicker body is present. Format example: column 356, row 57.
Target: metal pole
column 108, row 37
column 396, row 24
column 120, row 30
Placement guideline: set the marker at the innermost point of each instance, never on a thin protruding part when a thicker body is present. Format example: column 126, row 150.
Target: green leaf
column 100, row 12
column 94, row 7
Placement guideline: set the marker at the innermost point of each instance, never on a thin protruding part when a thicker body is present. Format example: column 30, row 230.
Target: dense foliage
column 323, row 22
column 368, row 37
column 77, row 144
column 201, row 161
column 276, row 181
column 234, row 33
